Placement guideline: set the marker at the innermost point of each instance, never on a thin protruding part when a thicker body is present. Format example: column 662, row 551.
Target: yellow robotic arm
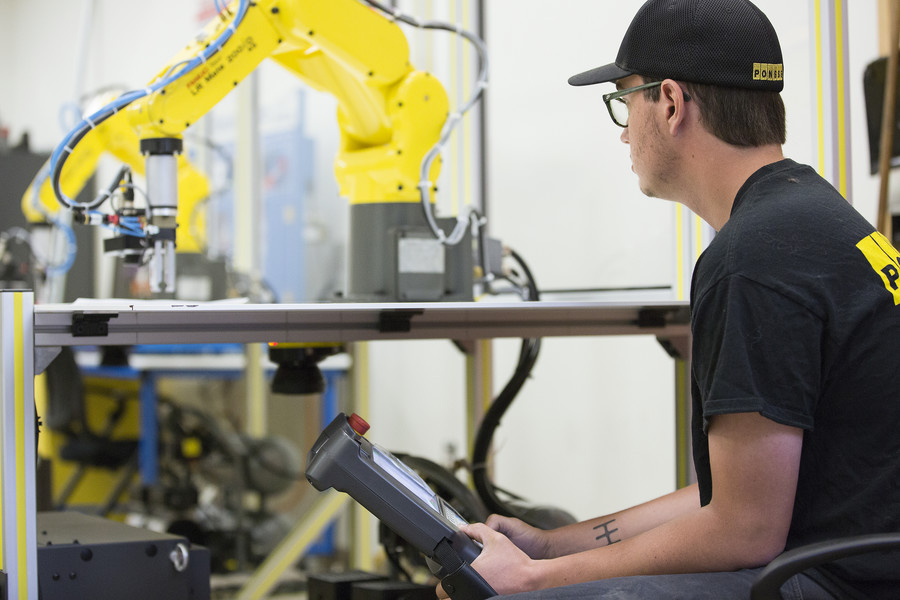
column 389, row 114
column 391, row 117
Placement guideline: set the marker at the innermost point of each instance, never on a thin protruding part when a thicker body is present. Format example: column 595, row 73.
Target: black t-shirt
column 795, row 315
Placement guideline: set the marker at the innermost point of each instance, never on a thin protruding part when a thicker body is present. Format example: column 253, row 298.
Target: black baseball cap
column 729, row 43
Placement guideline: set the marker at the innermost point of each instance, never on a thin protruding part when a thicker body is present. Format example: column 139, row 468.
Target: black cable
column 532, row 285
column 528, row 355
column 483, row 439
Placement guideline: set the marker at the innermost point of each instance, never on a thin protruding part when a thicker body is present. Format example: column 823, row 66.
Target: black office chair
column 799, row 559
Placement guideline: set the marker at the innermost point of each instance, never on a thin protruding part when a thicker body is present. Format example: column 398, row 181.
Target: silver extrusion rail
column 106, row 323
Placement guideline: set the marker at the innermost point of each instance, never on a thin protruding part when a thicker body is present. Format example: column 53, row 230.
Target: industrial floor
column 291, row 586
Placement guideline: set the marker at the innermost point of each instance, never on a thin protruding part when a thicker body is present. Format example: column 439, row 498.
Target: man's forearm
column 701, row 541
column 616, row 527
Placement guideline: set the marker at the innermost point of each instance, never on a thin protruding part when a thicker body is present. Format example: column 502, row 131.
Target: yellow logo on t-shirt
column 885, row 260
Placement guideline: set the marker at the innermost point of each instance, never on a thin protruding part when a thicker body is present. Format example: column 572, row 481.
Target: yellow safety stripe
column 820, row 94
column 453, row 92
column 19, row 368
column 465, row 131
column 841, row 178
column 839, row 79
column 698, row 225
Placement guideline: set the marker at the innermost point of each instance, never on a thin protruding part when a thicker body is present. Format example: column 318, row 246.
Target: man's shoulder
column 789, row 203
column 790, row 230
column 786, row 187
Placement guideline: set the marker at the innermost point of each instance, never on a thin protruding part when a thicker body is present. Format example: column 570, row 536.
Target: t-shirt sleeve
column 755, row 350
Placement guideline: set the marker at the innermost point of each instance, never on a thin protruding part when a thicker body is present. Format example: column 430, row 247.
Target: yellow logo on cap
column 768, row 71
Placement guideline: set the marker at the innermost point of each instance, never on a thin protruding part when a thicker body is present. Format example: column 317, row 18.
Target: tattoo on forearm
column 605, row 532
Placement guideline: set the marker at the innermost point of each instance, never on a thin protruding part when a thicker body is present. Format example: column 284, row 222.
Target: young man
column 796, row 340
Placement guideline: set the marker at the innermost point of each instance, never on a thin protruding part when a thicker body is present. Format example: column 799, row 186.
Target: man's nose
column 624, row 137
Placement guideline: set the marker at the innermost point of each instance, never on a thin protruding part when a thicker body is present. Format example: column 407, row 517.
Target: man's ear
column 672, row 99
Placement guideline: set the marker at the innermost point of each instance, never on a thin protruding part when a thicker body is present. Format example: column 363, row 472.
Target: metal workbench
column 30, row 334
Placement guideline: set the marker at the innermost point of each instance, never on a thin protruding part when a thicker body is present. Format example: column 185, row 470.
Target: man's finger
column 478, row 531
column 495, row 522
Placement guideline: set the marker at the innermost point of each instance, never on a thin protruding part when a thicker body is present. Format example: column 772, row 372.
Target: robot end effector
column 150, row 230
column 162, row 186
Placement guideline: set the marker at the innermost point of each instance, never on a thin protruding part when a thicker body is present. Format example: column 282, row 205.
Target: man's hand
column 532, row 541
column 504, row 566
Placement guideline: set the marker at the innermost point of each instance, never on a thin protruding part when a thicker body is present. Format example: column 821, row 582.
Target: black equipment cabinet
column 83, row 556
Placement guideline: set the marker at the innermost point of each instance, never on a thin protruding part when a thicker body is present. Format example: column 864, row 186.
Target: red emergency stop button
column 358, row 424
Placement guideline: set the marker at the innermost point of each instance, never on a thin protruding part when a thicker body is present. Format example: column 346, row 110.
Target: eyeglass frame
column 608, row 98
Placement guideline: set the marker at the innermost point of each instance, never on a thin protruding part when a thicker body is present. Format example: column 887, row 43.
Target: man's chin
column 646, row 190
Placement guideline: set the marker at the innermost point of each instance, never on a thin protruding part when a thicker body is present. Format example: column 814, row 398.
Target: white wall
column 128, row 43
column 593, row 429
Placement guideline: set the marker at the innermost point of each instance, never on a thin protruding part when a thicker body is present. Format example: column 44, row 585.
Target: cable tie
column 148, row 91
column 67, row 149
column 91, row 123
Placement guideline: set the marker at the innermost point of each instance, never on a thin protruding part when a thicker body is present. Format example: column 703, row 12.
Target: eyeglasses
column 618, row 108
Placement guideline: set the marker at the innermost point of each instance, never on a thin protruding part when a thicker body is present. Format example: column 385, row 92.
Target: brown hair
column 736, row 116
